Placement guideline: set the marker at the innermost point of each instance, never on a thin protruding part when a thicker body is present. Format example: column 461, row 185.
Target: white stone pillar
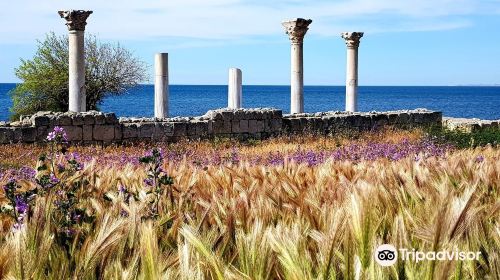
column 351, row 91
column 76, row 21
column 296, row 30
column 161, row 85
column 234, row 89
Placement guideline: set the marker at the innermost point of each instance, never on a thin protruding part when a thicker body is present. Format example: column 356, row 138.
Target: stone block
column 277, row 114
column 40, row 120
column 210, row 127
column 88, row 119
column 63, row 121
column 74, row 133
column 228, row 115
column 360, row 121
column 222, row 127
column 418, row 118
column 436, row 117
column 103, row 132
column 392, row 118
column 239, row 115
column 118, row 132
column 163, row 130
column 191, row 129
column 243, row 126
column 28, row 134
column 379, row 120
column 201, row 128
column 18, row 134
column 6, row 135
column 146, row 130
column 41, row 133
column 252, row 126
column 218, row 126
column 259, row 115
column 267, row 125
column 366, row 122
column 110, row 118
column 303, row 123
column 99, row 119
column 78, row 120
column 87, row 133
column 130, row 130
column 403, row 118
column 180, row 129
column 316, row 125
column 296, row 125
column 235, row 126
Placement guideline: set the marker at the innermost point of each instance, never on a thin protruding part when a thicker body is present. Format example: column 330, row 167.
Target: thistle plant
column 52, row 176
column 18, row 203
column 157, row 179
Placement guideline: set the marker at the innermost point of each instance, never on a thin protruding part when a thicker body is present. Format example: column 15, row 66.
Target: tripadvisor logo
column 387, row 255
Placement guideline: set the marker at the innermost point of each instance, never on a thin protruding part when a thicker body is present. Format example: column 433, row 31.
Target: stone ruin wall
column 96, row 127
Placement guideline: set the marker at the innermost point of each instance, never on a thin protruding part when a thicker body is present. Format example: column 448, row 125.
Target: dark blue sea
column 189, row 100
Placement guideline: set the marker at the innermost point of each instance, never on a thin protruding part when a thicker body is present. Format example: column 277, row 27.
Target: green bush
column 463, row 140
column 109, row 70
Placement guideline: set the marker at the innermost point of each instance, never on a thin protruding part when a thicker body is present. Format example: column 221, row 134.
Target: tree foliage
column 110, row 69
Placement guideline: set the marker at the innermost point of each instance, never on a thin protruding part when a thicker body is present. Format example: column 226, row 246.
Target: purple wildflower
column 149, row 182
column 58, row 135
column 122, row 189
column 53, row 179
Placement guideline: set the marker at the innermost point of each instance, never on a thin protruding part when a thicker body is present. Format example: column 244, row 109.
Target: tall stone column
column 351, row 90
column 234, row 89
column 296, row 30
column 161, row 85
column 76, row 21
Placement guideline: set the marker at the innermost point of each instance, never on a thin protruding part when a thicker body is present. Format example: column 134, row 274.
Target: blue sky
column 419, row 42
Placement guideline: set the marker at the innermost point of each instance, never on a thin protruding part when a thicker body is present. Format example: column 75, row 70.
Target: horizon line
column 317, row 85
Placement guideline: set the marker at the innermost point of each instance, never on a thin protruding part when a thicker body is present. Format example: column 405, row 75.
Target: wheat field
column 286, row 208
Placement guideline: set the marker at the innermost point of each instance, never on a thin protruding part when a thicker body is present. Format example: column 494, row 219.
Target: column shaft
column 352, row 40
column 296, row 29
column 234, row 90
column 161, row 85
column 76, row 82
column 76, row 20
column 352, row 80
column 297, row 79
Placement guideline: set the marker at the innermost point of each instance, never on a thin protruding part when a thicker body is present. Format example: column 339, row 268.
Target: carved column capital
column 296, row 29
column 352, row 38
column 75, row 19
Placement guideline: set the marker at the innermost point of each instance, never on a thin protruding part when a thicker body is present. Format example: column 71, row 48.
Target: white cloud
column 25, row 20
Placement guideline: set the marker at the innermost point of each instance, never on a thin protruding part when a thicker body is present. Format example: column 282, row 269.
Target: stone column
column 76, row 21
column 161, row 85
column 234, row 89
column 351, row 91
column 296, row 30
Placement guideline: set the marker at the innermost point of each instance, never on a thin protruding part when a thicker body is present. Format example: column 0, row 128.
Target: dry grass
column 290, row 221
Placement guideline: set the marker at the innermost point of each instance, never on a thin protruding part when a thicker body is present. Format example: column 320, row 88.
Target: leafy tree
column 109, row 70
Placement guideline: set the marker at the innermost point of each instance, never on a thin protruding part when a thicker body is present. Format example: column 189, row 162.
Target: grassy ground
column 287, row 208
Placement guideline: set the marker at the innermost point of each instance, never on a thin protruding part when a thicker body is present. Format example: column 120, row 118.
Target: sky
column 406, row 42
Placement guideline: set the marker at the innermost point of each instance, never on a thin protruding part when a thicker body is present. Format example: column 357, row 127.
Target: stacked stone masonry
column 470, row 125
column 97, row 127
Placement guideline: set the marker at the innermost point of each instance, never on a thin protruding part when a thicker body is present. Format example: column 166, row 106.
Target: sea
column 194, row 100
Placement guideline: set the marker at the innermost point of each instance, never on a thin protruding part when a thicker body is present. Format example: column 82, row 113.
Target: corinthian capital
column 75, row 19
column 352, row 38
column 296, row 29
